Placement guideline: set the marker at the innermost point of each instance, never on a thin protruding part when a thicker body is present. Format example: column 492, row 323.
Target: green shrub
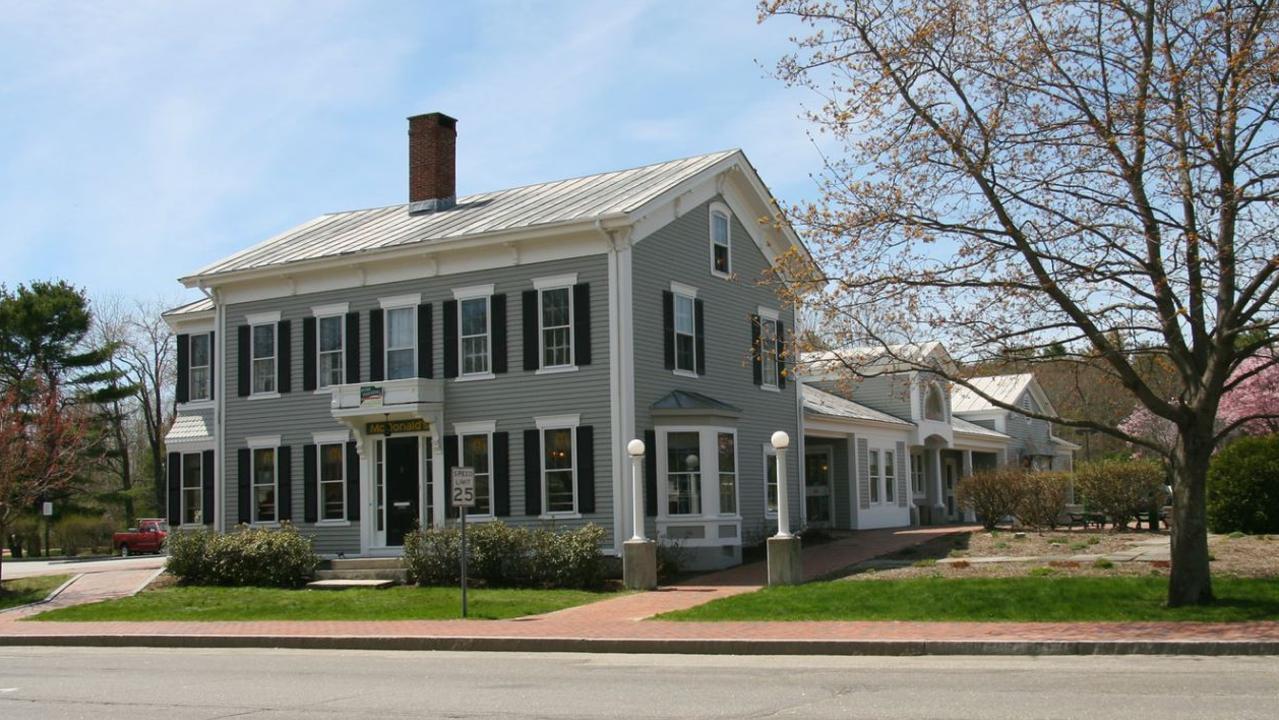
column 1103, row 564
column 1243, row 487
column 991, row 494
column 501, row 555
column 26, row 536
column 77, row 533
column 248, row 557
column 1043, row 499
column 1121, row 489
column 1041, row 572
column 671, row 559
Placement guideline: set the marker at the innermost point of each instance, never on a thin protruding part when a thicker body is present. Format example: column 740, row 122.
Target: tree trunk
column 1190, row 582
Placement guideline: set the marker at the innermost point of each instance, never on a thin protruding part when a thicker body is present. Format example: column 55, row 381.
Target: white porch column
column 968, row 464
column 938, row 498
column 437, row 470
column 368, row 522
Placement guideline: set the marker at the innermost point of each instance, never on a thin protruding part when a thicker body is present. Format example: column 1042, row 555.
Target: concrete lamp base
column 639, row 564
column 784, row 566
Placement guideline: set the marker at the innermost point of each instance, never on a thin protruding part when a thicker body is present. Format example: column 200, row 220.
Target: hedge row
column 249, row 556
column 501, row 555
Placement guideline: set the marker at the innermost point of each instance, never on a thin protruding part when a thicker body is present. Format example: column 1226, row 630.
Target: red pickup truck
column 147, row 537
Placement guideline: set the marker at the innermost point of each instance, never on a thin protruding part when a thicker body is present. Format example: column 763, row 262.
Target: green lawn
column 398, row 603
column 1026, row 599
column 29, row 590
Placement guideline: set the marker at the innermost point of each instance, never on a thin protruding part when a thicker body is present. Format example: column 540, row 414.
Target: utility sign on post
column 463, row 496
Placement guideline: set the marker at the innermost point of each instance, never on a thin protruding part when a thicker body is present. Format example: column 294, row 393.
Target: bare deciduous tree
column 1095, row 177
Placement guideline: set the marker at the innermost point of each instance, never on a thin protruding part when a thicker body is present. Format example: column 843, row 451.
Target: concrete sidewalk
column 620, row 625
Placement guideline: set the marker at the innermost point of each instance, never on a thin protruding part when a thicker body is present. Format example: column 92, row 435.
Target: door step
column 334, row 584
column 371, row 563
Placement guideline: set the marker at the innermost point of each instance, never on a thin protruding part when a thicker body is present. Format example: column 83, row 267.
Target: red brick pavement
column 621, row 619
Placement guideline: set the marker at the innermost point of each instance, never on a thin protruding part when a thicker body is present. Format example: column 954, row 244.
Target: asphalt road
column 46, row 683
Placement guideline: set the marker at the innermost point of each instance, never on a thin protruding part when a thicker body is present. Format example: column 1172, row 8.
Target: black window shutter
column 501, row 474
column 757, row 365
column 310, row 357
column 450, row 462
column 213, row 364
column 532, row 472
column 183, row 391
column 352, row 482
column 284, row 355
column 582, row 324
column 585, row 469
column 699, row 328
column 310, row 484
column 243, row 477
column 668, row 328
column 175, row 489
column 284, row 465
column 352, row 347
column 781, row 355
column 650, row 473
column 425, row 341
column 497, row 306
column 450, row 338
column 206, row 483
column 242, row 357
column 531, row 323
column 376, row 355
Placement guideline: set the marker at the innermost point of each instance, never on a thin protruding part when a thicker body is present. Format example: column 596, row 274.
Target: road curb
column 664, row 646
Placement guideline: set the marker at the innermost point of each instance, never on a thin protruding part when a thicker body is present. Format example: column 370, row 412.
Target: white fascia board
column 557, row 421
column 400, row 301
column 555, row 281
column 262, row 441
column 473, row 291
column 341, row 308
column 330, row 437
column 479, row 427
column 262, row 318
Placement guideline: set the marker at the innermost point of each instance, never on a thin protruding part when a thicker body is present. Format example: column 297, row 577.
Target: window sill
column 487, row 517
column 770, row 515
column 560, row 516
column 685, row 373
column 722, row 275
column 327, row 390
column 273, row 525
column 196, row 405
column 770, row 388
column 265, row 396
column 472, row 378
column 333, row 523
column 192, row 526
column 556, row 370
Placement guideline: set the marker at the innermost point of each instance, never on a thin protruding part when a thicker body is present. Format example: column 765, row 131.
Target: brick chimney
column 432, row 163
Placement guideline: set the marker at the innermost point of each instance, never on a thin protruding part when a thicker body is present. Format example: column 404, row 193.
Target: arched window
column 934, row 404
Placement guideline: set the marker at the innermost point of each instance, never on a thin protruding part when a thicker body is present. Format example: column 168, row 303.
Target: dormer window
column 934, row 404
column 721, row 241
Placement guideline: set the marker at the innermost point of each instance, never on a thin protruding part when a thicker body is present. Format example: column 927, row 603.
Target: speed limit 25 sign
column 463, row 487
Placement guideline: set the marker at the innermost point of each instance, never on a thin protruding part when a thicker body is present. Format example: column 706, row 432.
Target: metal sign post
column 463, row 492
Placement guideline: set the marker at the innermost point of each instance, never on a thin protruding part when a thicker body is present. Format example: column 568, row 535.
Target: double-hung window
column 401, row 342
column 477, row 455
column 264, row 357
column 768, row 351
column 201, row 358
column 875, row 477
column 474, row 324
column 557, row 327
column 683, row 473
column 685, row 334
column 890, row 475
column 559, row 473
column 726, row 446
column 721, row 255
column 917, row 473
column 264, row 486
column 333, row 481
column 192, row 488
column 332, row 343
column 770, row 481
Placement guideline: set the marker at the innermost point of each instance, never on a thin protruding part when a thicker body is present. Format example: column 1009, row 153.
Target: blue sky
column 140, row 140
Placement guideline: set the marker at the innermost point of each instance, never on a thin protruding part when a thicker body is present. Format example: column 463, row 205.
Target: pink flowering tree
column 1250, row 405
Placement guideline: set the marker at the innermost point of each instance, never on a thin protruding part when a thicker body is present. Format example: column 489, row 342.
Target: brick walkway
column 87, row 588
column 621, row 621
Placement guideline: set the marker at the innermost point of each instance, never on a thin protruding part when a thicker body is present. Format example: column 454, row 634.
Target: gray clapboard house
column 333, row 373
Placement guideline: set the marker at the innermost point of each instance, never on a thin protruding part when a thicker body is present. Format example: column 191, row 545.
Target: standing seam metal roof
column 544, row 204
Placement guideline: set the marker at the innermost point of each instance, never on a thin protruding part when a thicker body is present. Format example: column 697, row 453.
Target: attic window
column 721, row 241
column 934, row 404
